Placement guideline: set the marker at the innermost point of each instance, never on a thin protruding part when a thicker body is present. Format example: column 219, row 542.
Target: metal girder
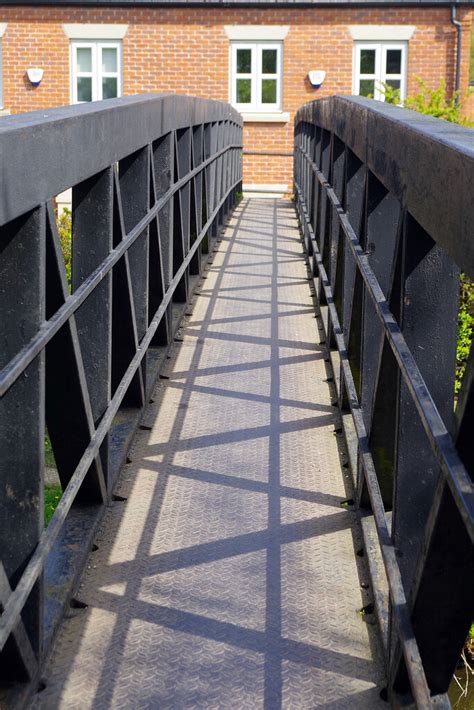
column 387, row 241
column 138, row 222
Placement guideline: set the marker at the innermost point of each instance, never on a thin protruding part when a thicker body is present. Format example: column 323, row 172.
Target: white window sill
column 263, row 117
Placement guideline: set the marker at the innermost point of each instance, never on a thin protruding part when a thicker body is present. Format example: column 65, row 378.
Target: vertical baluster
column 22, row 311
column 182, row 205
column 92, row 226
column 427, row 293
column 161, row 255
column 196, row 197
column 134, row 177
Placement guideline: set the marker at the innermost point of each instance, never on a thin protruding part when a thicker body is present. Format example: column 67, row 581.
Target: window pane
column 367, row 61
column 244, row 91
column 109, row 87
column 394, row 61
column 269, row 91
column 269, row 61
column 84, row 59
column 394, row 83
column 109, row 60
column 367, row 87
column 244, row 61
column 84, row 88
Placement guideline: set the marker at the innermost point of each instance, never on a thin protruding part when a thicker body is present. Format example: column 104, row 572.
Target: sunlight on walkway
column 228, row 579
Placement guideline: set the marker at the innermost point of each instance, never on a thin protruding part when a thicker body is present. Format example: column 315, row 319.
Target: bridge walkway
column 228, row 578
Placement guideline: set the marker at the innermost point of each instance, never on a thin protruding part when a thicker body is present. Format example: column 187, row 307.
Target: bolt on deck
column 228, row 577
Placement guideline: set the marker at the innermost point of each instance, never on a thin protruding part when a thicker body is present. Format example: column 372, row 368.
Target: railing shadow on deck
column 131, row 590
column 386, row 208
column 154, row 179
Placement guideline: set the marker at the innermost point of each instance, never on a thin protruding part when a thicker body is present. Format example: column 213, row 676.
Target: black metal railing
column 386, row 207
column 153, row 180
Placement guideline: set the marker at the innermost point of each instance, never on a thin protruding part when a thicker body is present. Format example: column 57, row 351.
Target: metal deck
column 228, row 578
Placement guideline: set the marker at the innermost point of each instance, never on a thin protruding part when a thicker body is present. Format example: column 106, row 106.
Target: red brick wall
column 187, row 51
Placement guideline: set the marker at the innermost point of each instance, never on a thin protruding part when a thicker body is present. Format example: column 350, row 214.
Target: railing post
column 161, row 242
column 428, row 296
column 92, row 229
column 134, row 176
column 182, row 208
column 206, row 185
column 379, row 372
column 196, row 196
column 22, row 311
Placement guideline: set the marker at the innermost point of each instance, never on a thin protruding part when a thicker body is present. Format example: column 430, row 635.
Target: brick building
column 266, row 57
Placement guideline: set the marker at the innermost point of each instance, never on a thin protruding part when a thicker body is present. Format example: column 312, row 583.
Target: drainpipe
column 458, row 25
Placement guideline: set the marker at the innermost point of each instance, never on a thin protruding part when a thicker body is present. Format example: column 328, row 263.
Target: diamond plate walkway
column 228, row 579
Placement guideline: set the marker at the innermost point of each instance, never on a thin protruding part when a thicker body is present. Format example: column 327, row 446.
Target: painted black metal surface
column 386, row 210
column 152, row 178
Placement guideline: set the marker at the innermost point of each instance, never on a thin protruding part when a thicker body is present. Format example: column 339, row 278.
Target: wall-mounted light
column 35, row 75
column 316, row 78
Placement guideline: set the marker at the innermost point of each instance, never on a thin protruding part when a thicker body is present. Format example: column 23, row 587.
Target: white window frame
column 96, row 47
column 256, row 76
column 380, row 76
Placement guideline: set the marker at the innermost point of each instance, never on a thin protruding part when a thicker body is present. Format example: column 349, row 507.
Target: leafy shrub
column 465, row 327
column 65, row 237
column 432, row 102
column 52, row 496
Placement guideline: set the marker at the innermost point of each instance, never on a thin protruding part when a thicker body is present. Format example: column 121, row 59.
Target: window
column 256, row 76
column 96, row 71
column 379, row 63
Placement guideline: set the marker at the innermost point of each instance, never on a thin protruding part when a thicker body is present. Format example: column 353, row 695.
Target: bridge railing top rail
column 426, row 163
column 45, row 152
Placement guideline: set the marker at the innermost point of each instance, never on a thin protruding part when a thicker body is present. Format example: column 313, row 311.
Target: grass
column 52, row 496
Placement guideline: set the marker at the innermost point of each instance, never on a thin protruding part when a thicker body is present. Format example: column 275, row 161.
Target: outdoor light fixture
column 316, row 78
column 35, row 75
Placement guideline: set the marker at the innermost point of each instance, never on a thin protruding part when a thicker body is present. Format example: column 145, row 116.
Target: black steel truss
column 385, row 204
column 153, row 181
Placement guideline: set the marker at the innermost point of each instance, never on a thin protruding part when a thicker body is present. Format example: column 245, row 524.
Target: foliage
column 432, row 102
column 48, row 452
column 65, row 237
column 52, row 496
column 391, row 95
column 465, row 327
column 435, row 102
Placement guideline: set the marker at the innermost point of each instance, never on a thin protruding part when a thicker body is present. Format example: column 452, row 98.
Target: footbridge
column 245, row 409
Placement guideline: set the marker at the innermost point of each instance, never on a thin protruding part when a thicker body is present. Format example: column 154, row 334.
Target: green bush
column 52, row 496
column 465, row 327
column 432, row 102
column 65, row 237
column 435, row 102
